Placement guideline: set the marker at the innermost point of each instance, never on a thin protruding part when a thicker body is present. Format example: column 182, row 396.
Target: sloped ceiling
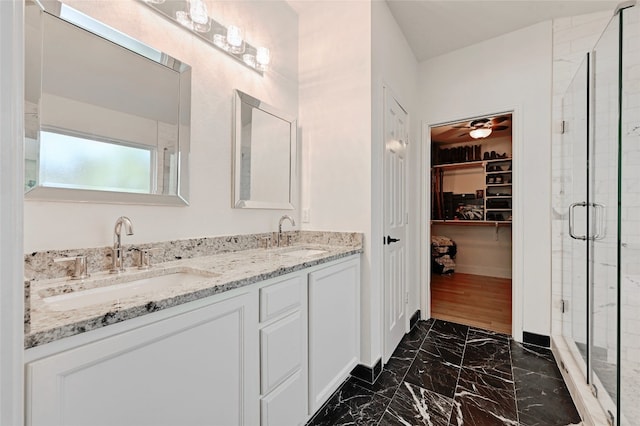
column 433, row 28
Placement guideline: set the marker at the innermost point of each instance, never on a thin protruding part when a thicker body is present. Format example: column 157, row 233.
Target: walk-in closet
column 471, row 216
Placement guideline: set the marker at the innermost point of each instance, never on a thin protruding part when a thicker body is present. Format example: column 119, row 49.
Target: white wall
column 335, row 129
column 507, row 72
column 349, row 51
column 394, row 66
column 214, row 76
column 482, row 250
column 11, row 184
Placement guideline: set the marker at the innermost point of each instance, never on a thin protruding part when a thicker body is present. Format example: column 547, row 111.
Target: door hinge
column 406, row 297
column 594, row 390
column 611, row 420
column 564, row 306
column 563, row 127
column 406, row 218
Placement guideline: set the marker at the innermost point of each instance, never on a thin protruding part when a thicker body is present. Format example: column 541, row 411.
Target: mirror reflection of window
column 79, row 163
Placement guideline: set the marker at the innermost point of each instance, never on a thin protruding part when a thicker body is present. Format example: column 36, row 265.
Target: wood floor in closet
column 473, row 300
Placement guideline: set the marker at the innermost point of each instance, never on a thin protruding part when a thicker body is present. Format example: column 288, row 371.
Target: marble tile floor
column 444, row 373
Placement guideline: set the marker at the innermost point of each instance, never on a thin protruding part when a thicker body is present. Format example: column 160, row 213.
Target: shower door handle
column 599, row 212
column 571, row 217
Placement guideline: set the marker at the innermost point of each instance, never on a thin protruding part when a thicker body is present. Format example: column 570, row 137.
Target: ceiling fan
column 483, row 127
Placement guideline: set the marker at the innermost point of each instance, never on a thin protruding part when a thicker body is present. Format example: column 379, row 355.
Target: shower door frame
column 595, row 230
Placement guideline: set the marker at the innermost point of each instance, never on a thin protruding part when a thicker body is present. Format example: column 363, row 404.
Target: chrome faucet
column 118, row 259
column 293, row 223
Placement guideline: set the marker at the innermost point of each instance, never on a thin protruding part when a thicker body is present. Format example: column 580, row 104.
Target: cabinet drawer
column 280, row 350
column 286, row 405
column 281, row 297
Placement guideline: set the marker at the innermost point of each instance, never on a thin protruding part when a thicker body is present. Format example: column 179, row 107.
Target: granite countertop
column 219, row 273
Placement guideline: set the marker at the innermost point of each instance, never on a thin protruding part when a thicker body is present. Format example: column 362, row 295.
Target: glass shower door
column 629, row 346
column 601, row 203
column 603, row 216
column 573, row 208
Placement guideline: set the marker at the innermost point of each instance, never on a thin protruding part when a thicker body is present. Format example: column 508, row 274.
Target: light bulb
column 235, row 39
column 263, row 57
column 198, row 12
column 480, row 133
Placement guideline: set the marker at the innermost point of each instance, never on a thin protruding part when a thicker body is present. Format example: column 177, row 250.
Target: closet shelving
column 498, row 190
column 494, row 178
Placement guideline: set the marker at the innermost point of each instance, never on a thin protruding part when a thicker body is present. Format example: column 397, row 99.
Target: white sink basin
column 303, row 252
column 114, row 292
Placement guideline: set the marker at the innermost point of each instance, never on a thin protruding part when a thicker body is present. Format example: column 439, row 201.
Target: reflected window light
column 79, row 163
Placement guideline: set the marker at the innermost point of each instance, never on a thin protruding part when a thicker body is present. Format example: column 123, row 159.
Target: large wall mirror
column 106, row 117
column 264, row 146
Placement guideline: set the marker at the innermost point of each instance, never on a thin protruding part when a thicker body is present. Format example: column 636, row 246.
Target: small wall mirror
column 264, row 149
column 106, row 117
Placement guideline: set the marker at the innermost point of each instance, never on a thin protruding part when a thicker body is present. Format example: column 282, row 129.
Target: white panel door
column 334, row 328
column 396, row 131
column 197, row 368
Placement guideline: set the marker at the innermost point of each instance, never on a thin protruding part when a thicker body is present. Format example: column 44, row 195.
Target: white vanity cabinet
column 334, row 328
column 283, row 351
column 266, row 354
column 193, row 368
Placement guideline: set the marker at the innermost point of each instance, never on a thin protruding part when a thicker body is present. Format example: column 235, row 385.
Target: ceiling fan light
column 480, row 133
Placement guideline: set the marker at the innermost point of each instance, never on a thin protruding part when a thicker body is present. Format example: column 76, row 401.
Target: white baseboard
column 486, row 271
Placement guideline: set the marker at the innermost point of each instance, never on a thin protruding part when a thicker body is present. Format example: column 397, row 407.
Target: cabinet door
column 334, row 328
column 286, row 405
column 199, row 367
column 281, row 349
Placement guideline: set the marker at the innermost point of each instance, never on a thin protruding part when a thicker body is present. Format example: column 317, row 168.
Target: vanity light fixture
column 193, row 15
column 480, row 133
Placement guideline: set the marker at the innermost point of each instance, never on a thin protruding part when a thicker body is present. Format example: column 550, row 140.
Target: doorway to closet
column 471, row 217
